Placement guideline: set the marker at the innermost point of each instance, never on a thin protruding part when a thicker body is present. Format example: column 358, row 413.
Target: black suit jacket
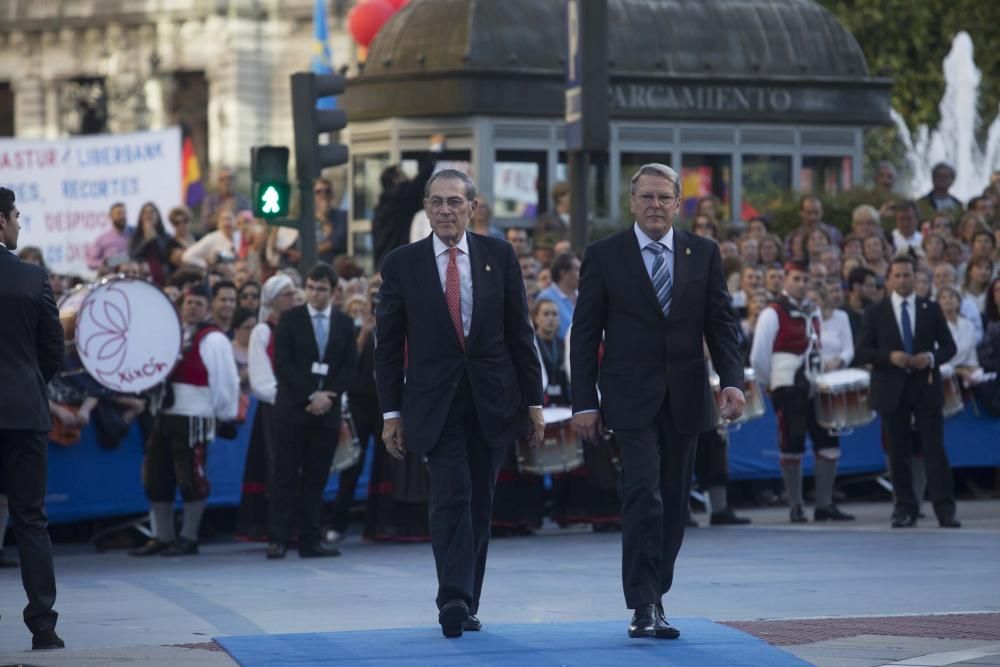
column 647, row 355
column 499, row 355
column 880, row 336
column 295, row 352
column 31, row 344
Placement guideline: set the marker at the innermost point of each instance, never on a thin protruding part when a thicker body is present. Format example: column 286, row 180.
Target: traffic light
column 311, row 157
column 271, row 190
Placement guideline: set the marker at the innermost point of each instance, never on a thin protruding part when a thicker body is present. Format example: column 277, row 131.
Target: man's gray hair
column 452, row 174
column 656, row 169
column 865, row 211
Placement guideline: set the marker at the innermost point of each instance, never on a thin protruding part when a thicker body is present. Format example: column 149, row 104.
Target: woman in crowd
column 277, row 297
column 836, row 340
column 978, row 274
column 875, row 254
column 757, row 228
column 216, row 246
column 923, row 281
column 756, row 302
column 817, row 242
column 182, row 239
column 771, row 250
column 934, row 246
column 150, row 243
column 965, row 361
column 248, row 295
column 749, row 251
column 244, row 321
column 853, row 246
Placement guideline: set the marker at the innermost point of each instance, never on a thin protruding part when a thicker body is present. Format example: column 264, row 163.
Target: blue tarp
column 87, row 481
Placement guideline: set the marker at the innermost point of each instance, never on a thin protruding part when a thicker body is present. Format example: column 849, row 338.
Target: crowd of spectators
column 954, row 243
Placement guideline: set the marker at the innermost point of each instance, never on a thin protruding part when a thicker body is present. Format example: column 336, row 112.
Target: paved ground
column 764, row 578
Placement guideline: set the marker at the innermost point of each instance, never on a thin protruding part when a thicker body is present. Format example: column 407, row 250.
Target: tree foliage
column 907, row 41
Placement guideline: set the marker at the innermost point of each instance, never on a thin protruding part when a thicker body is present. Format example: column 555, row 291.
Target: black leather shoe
column 472, row 624
column 727, row 517
column 904, row 520
column 276, row 550
column 949, row 521
column 452, row 618
column 831, row 513
column 46, row 639
column 643, row 622
column 663, row 628
column 797, row 515
column 150, row 548
column 318, row 551
column 182, row 546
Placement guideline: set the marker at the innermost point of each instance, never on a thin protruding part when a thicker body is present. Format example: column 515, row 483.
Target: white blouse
column 965, row 343
column 836, row 340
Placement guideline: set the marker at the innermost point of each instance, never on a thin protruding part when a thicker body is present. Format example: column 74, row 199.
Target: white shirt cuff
column 583, row 412
column 390, row 415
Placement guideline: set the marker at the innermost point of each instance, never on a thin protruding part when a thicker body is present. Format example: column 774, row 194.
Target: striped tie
column 663, row 284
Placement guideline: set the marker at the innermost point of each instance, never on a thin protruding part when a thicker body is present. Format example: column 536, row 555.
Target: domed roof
column 648, row 40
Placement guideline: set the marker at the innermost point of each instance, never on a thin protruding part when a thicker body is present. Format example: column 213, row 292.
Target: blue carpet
column 702, row 643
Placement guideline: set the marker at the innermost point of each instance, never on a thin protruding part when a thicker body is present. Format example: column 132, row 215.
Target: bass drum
column 128, row 334
column 69, row 310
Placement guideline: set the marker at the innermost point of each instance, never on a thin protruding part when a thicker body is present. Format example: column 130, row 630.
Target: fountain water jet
column 954, row 140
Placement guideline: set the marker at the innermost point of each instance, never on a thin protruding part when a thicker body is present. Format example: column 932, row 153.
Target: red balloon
column 366, row 18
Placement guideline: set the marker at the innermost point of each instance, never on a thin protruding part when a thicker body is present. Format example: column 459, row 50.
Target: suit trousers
column 930, row 425
column 657, row 465
column 463, row 475
column 24, row 473
column 302, row 457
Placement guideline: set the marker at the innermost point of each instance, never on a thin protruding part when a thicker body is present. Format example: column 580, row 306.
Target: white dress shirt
column 464, row 274
column 897, row 310
column 837, row 340
column 221, row 398
column 327, row 313
column 263, row 382
column 206, row 252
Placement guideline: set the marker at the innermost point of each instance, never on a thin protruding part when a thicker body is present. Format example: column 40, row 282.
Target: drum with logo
column 128, row 333
column 842, row 399
column 952, row 390
column 560, row 451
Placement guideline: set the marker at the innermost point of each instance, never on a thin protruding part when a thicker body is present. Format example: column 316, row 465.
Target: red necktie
column 453, row 295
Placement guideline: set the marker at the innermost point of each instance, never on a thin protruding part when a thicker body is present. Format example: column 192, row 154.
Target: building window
column 83, row 106
column 6, row 110
column 520, row 186
column 706, row 176
column 825, row 175
column 366, row 187
column 765, row 179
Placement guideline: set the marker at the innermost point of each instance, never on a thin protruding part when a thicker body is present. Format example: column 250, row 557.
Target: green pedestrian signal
column 271, row 199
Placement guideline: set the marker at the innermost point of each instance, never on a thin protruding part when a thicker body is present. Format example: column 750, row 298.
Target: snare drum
column 348, row 450
column 842, row 399
column 952, row 390
column 560, row 451
column 128, row 333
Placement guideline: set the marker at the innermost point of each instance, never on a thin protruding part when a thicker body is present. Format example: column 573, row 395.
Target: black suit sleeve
column 867, row 351
column 50, row 348
column 946, row 347
column 345, row 361
column 721, row 330
column 292, row 378
column 390, row 336
column 588, row 329
column 518, row 332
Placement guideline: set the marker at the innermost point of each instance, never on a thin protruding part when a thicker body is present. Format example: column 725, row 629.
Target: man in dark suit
column 453, row 321
column 315, row 361
column 32, row 342
column 906, row 338
column 653, row 293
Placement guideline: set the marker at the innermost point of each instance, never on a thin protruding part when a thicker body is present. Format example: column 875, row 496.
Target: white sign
column 65, row 187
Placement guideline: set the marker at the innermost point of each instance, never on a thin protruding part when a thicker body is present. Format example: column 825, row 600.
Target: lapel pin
column 687, row 251
column 488, row 268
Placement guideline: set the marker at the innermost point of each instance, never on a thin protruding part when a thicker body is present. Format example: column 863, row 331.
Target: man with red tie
column 453, row 320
